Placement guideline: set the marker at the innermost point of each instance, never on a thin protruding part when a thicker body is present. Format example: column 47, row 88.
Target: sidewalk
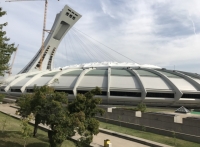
column 117, row 139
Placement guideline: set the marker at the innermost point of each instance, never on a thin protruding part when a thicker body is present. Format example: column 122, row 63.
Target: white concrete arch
column 18, row 79
column 59, row 74
column 178, row 93
column 80, row 78
column 143, row 92
column 33, row 79
column 186, row 77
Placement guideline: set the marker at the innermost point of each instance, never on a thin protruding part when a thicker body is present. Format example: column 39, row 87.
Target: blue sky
column 159, row 32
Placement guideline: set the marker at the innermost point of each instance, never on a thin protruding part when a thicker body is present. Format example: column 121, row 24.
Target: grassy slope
column 150, row 136
column 11, row 137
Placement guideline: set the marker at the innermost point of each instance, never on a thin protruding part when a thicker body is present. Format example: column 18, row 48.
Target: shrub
column 141, row 107
column 1, row 97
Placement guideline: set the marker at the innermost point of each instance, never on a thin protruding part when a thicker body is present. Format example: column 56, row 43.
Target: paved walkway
column 99, row 139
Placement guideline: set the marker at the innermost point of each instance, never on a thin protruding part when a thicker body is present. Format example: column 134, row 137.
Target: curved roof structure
column 121, row 83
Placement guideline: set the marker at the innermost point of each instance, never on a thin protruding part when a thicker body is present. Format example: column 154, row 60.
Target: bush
column 1, row 97
column 141, row 107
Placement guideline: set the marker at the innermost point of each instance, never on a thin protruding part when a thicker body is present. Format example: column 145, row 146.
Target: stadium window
column 66, row 91
column 29, row 90
column 129, row 94
column 67, row 13
column 188, row 95
column 103, row 93
column 160, row 95
column 81, row 92
column 73, row 18
column 70, row 16
column 15, row 90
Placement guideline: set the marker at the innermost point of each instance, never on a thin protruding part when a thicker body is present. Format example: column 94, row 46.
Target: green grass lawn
column 150, row 136
column 195, row 112
column 11, row 137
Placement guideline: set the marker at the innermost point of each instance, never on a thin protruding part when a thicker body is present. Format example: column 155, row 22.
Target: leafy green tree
column 55, row 114
column 24, row 103
column 51, row 108
column 85, row 107
column 34, row 103
column 26, row 129
column 6, row 49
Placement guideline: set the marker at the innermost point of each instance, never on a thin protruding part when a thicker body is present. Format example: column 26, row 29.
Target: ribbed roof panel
column 73, row 73
column 146, row 73
column 97, row 72
column 120, row 72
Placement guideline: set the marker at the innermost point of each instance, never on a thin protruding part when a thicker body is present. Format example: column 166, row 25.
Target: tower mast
column 44, row 27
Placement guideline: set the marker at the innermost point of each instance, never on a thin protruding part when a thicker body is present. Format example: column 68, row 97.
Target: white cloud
column 159, row 32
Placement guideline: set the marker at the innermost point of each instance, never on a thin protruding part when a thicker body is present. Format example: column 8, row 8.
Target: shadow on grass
column 14, row 139
column 39, row 144
column 42, row 137
column 15, row 144
column 9, row 144
column 9, row 134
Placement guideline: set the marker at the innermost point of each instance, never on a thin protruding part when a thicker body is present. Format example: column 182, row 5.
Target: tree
column 55, row 114
column 6, row 49
column 26, row 129
column 34, row 103
column 85, row 106
column 51, row 108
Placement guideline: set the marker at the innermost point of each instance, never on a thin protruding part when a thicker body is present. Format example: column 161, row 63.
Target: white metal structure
column 121, row 83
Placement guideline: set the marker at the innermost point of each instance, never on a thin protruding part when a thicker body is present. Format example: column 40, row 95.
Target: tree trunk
column 37, row 122
column 35, row 129
column 24, row 142
column 53, row 142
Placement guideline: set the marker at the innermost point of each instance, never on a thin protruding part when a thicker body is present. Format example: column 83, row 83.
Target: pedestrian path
column 98, row 140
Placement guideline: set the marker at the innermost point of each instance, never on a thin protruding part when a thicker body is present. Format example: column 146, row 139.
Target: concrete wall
column 159, row 123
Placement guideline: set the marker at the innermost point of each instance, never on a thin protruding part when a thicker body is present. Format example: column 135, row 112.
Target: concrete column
column 108, row 88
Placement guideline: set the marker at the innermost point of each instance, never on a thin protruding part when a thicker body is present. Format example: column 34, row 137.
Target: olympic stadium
column 121, row 83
